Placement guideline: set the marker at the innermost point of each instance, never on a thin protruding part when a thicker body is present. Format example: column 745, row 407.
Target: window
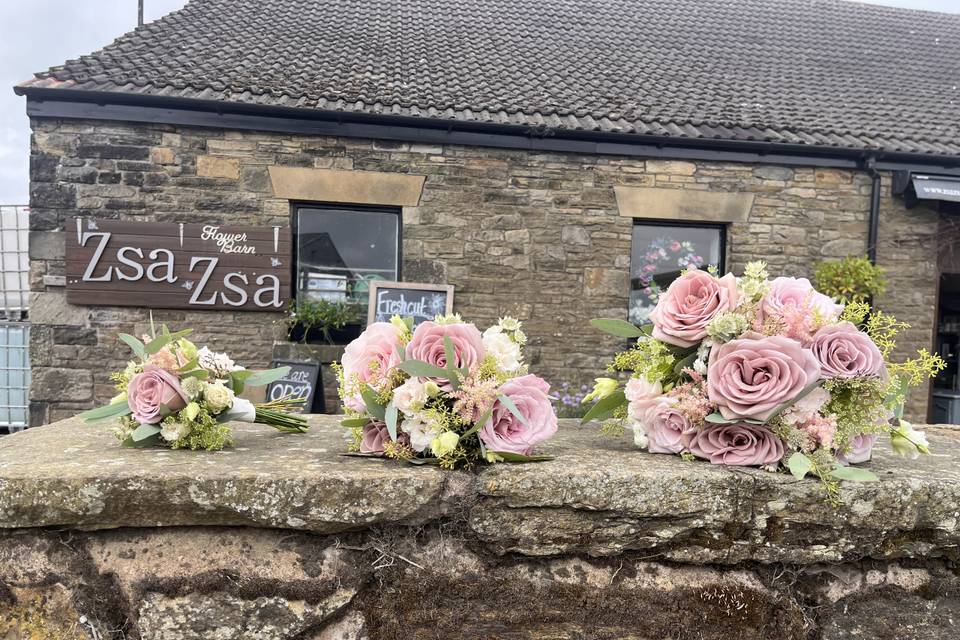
column 340, row 250
column 660, row 252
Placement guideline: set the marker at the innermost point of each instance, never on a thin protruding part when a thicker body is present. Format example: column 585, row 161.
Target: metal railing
column 14, row 324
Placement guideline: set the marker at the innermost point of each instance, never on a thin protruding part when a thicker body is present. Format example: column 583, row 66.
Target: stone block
column 575, row 234
column 51, row 308
column 47, row 245
column 782, row 174
column 218, row 167
column 162, row 155
column 61, row 385
column 74, row 336
column 675, row 167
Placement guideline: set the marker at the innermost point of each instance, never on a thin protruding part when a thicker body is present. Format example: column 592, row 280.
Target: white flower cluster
column 504, row 342
column 409, row 398
column 219, row 364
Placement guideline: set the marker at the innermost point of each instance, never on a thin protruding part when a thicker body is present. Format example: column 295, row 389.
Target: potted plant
column 323, row 321
column 852, row 279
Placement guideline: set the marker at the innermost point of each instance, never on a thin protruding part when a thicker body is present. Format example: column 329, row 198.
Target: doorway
column 946, row 386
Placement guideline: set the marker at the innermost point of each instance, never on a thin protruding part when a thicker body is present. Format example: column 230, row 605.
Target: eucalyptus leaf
column 149, row 441
column 512, row 408
column 617, row 327
column 390, row 418
column 799, row 465
column 684, row 363
column 717, row 418
column 357, row 454
column 605, row 406
column 199, row 374
column 134, row 344
column 144, row 431
column 479, row 423
column 420, row 369
column 789, row 403
column 853, row 474
column 353, row 423
column 160, row 342
column 374, row 407
column 517, row 457
column 423, row 461
column 260, row 378
column 107, row 411
column 450, row 354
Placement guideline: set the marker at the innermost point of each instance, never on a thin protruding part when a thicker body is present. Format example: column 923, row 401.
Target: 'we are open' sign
column 177, row 265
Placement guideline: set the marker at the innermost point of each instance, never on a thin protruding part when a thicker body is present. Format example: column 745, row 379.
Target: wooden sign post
column 177, row 265
column 415, row 300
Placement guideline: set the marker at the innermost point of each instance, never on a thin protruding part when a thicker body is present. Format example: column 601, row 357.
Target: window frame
column 297, row 205
column 695, row 224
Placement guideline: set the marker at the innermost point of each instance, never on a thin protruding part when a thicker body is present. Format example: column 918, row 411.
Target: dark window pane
column 660, row 253
column 339, row 251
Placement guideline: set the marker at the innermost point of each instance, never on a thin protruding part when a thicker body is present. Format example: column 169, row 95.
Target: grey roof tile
column 816, row 72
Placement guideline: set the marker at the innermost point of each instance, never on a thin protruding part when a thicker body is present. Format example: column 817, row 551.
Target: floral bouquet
column 177, row 396
column 444, row 394
column 760, row 372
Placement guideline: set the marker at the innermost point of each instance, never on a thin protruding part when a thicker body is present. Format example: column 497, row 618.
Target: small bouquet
column 444, row 394
column 175, row 395
column 760, row 372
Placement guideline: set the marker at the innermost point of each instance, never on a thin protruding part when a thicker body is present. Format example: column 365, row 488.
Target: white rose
column 173, row 431
column 420, row 431
column 410, row 396
column 504, row 350
column 217, row 398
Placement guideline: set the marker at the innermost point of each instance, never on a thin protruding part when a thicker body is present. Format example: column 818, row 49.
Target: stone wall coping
column 600, row 497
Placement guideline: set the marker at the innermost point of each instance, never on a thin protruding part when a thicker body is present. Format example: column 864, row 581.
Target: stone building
column 532, row 154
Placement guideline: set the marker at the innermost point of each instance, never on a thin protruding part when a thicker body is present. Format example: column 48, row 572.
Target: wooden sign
column 421, row 302
column 178, row 266
column 303, row 381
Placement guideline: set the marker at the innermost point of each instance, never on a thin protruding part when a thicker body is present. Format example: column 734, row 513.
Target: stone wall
column 535, row 235
column 604, row 542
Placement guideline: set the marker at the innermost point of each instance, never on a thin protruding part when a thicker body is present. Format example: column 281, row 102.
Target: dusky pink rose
column 152, row 390
column 374, row 353
column 375, row 435
column 860, row 448
column 427, row 345
column 689, row 304
column 641, row 394
column 667, row 429
column 505, row 432
column 846, row 352
column 752, row 376
column 796, row 293
column 738, row 444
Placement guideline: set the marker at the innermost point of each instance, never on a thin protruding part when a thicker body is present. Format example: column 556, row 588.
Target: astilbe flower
column 474, row 396
column 821, row 430
column 692, row 400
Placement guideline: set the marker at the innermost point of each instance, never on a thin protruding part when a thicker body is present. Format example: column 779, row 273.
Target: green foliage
column 853, row 279
column 649, row 358
column 321, row 314
column 858, row 404
column 206, row 433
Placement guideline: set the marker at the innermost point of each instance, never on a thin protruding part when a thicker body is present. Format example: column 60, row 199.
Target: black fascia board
column 115, row 106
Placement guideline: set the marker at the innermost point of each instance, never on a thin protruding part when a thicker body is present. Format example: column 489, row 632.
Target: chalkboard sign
column 302, row 381
column 415, row 300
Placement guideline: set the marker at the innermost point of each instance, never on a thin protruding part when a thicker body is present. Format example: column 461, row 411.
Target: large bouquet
column 760, row 372
column 178, row 396
column 444, row 394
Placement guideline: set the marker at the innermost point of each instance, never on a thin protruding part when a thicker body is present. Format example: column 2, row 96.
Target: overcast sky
column 36, row 34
